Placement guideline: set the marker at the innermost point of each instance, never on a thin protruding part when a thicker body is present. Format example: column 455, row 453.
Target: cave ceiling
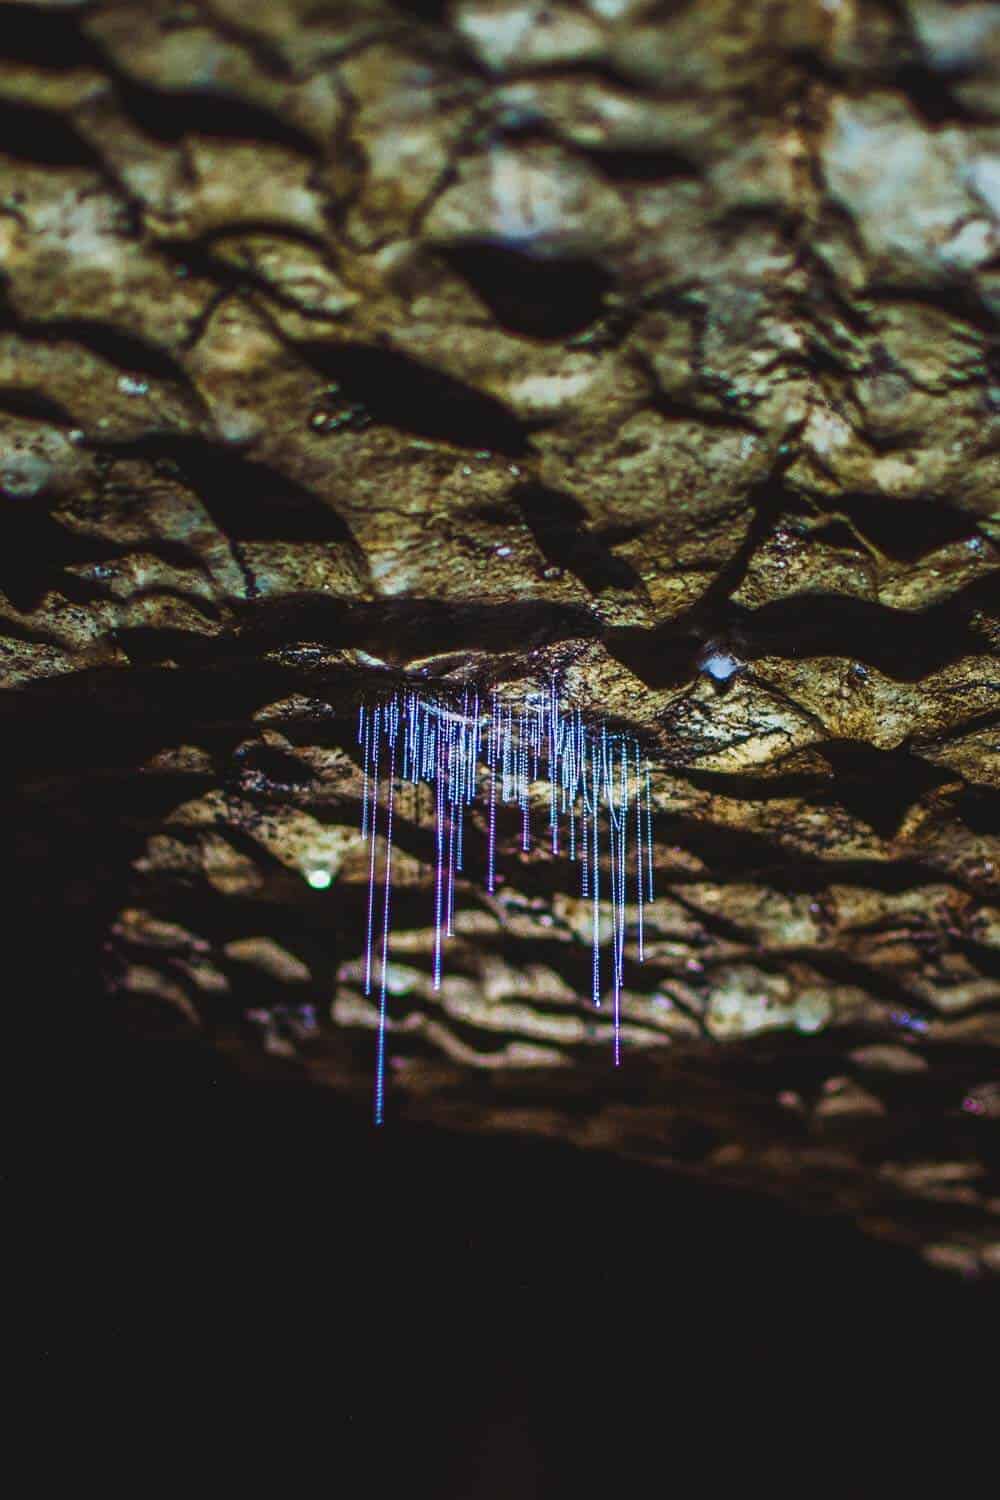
column 644, row 349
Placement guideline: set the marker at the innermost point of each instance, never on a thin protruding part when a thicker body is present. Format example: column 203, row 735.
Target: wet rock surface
column 649, row 348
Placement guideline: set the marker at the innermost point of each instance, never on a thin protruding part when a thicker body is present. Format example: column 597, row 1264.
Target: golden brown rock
column 344, row 350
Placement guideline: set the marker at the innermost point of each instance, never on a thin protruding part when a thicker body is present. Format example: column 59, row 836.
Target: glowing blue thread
column 439, row 873
column 586, row 768
column 494, row 735
column 364, row 729
column 371, row 864
column 450, row 814
column 639, row 872
column 595, row 880
column 380, row 1051
column 649, row 839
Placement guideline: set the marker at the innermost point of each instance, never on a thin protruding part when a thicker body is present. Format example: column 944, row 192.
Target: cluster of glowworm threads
column 598, row 804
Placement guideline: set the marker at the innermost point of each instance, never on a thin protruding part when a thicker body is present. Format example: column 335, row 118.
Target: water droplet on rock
column 721, row 666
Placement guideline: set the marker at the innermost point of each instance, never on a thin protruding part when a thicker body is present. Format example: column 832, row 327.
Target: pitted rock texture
column 650, row 346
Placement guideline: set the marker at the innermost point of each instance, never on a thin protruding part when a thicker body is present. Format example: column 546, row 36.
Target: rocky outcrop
column 650, row 348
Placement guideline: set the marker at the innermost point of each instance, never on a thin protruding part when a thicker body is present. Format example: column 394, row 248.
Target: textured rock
column 656, row 351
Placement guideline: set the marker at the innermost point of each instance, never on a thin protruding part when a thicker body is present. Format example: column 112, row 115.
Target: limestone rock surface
column 648, row 346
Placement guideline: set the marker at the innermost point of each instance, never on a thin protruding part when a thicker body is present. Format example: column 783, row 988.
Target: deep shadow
column 557, row 522
column 126, row 351
column 550, row 298
column 907, row 529
column 31, row 133
column 879, row 785
column 48, row 38
column 413, row 397
column 250, row 501
column 496, row 1317
column 650, row 164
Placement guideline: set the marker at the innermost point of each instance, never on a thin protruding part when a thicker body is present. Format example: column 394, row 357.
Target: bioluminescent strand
column 392, row 717
column 598, row 786
column 371, row 807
